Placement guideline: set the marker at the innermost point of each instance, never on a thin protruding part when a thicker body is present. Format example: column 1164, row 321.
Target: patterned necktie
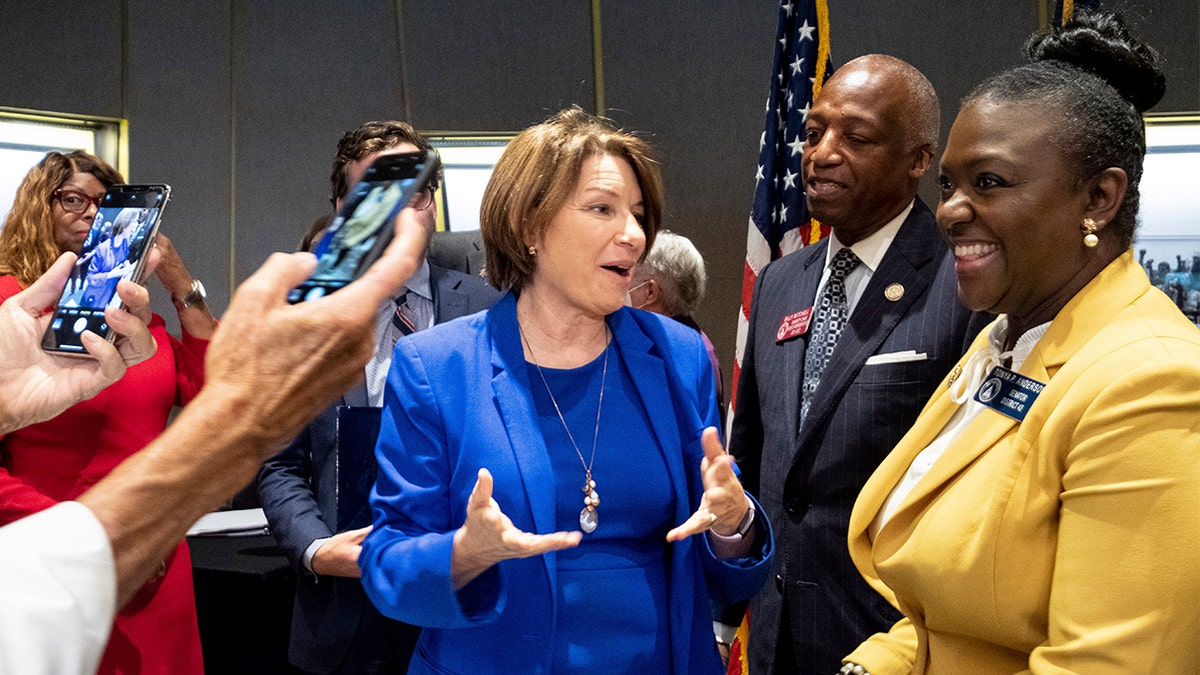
column 402, row 320
column 831, row 319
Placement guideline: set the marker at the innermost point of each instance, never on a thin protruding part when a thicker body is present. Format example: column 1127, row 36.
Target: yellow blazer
column 1066, row 543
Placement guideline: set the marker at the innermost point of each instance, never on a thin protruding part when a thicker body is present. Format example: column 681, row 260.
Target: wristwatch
column 194, row 297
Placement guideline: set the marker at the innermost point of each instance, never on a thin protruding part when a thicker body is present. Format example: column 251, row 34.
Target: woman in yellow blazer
column 1043, row 514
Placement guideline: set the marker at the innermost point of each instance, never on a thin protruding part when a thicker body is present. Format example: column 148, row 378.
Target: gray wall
column 238, row 104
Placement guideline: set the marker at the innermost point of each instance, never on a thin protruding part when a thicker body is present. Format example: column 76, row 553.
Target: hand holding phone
column 116, row 248
column 366, row 222
column 36, row 385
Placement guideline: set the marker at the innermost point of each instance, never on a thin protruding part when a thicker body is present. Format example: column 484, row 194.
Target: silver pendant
column 588, row 519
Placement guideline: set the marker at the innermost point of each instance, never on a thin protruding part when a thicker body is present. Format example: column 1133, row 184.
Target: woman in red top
column 59, row 459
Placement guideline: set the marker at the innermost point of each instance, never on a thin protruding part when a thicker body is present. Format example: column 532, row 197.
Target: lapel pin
column 954, row 375
column 893, row 292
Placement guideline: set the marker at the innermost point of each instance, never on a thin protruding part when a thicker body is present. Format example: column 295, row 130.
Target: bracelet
column 743, row 527
column 850, row 668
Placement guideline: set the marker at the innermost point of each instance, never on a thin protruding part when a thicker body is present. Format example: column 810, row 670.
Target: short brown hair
column 27, row 247
column 537, row 174
column 366, row 139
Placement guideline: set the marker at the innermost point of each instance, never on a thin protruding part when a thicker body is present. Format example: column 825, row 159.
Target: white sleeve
column 59, row 590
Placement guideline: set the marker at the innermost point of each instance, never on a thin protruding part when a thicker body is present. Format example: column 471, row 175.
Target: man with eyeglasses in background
column 335, row 629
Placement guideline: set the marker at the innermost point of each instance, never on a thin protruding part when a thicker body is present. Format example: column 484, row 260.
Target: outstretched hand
column 724, row 502
column 36, row 385
column 488, row 537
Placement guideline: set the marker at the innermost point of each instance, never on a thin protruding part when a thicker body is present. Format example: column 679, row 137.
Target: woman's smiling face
column 1011, row 208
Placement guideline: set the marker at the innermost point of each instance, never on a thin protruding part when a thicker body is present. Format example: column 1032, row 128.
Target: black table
column 244, row 588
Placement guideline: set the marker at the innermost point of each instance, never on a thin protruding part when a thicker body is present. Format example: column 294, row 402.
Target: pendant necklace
column 588, row 516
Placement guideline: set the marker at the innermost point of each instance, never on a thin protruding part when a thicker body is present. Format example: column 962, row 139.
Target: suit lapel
column 799, row 297
column 511, row 392
column 659, row 394
column 915, row 248
column 449, row 302
column 1117, row 286
column 649, row 377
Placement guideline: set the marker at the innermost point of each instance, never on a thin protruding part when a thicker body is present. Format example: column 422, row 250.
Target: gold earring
column 1089, row 233
column 532, row 250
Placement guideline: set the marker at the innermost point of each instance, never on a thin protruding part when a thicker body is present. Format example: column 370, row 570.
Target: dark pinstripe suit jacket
column 807, row 480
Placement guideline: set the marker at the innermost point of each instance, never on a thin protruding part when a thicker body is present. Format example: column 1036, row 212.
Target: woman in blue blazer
column 502, row 430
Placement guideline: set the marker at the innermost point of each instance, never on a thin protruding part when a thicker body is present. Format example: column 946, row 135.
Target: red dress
column 57, row 460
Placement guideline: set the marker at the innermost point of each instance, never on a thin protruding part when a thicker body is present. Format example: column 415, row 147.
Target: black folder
column 357, row 430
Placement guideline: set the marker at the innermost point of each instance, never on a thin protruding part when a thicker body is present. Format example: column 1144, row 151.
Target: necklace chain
column 588, row 518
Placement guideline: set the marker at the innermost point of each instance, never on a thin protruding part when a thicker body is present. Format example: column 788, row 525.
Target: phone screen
column 366, row 222
column 114, row 249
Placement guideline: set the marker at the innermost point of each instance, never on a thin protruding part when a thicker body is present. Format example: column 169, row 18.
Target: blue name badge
column 1008, row 393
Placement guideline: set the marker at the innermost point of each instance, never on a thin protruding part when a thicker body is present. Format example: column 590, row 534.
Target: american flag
column 1065, row 9
column 779, row 220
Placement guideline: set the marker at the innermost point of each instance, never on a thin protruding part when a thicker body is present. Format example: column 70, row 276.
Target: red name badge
column 793, row 325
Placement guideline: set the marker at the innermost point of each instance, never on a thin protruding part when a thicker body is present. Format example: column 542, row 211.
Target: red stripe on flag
column 748, row 280
column 739, row 663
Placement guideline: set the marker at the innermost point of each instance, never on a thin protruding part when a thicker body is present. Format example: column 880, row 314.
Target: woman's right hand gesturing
column 488, row 537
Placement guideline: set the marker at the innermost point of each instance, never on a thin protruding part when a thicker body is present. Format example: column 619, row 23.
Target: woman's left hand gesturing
column 724, row 503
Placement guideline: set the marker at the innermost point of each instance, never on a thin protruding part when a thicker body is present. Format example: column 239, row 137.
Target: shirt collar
column 419, row 282
column 871, row 249
column 1024, row 344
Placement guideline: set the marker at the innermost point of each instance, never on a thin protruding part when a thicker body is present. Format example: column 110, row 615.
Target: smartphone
column 364, row 226
column 115, row 249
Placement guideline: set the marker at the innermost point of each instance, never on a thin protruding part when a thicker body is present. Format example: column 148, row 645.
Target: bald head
column 919, row 111
column 869, row 138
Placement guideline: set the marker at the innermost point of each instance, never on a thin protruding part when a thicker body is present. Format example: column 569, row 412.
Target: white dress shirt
column 420, row 303
column 870, row 251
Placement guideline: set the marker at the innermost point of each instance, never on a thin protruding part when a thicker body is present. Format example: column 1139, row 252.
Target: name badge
column 1008, row 393
column 793, row 325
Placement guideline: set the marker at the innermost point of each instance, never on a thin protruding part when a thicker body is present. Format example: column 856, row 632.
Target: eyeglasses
column 423, row 199
column 75, row 202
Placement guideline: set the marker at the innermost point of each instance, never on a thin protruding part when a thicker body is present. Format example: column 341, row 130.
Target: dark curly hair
column 1097, row 79
column 366, row 139
column 27, row 247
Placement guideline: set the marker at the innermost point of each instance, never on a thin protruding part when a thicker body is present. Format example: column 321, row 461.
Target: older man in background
column 670, row 280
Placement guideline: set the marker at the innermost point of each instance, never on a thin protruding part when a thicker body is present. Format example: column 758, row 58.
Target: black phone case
column 68, row 323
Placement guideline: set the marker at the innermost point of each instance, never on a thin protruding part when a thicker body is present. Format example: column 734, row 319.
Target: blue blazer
column 458, row 399
column 298, row 492
column 807, row 479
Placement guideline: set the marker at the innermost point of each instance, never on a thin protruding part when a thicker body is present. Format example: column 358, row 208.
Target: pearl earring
column 532, row 250
column 1089, row 233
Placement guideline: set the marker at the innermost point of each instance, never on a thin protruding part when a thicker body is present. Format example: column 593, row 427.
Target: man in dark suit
column 462, row 251
column 822, row 398
column 335, row 629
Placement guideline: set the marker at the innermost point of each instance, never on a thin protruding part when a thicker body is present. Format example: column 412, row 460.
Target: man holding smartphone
column 335, row 629
column 65, row 570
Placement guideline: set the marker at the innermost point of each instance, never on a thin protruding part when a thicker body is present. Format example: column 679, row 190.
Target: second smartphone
column 115, row 248
column 365, row 224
